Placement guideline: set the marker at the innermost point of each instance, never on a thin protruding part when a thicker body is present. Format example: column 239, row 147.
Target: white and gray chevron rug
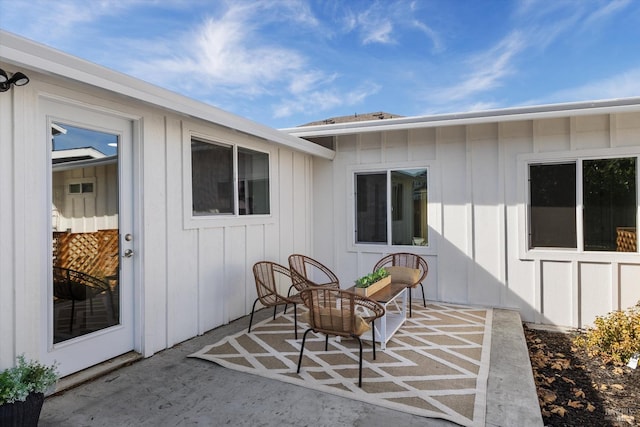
column 435, row 366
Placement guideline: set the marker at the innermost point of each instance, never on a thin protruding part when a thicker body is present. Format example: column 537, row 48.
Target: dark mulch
column 575, row 389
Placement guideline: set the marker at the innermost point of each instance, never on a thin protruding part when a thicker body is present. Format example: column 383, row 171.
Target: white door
column 90, row 294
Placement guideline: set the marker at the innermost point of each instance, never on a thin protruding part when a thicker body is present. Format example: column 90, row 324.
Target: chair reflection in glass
column 75, row 286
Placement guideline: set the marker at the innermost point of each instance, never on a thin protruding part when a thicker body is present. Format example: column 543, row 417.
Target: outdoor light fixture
column 17, row 79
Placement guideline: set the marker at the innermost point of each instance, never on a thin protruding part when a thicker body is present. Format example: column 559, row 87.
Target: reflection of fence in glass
column 609, row 203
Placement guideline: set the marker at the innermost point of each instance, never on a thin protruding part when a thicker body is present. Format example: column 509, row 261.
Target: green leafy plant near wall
column 615, row 338
column 25, row 378
column 371, row 278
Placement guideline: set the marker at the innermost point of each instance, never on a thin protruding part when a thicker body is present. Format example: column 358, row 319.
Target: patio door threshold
column 90, row 374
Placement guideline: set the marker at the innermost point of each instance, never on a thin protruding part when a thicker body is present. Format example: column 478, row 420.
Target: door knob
column 128, row 253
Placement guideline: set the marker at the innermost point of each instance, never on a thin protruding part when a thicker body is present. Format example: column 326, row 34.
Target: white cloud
column 430, row 33
column 487, row 70
column 51, row 21
column 320, row 101
column 227, row 54
column 608, row 9
column 622, row 85
column 377, row 32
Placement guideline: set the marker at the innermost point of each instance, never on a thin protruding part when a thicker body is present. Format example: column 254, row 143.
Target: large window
column 391, row 207
column 607, row 200
column 228, row 180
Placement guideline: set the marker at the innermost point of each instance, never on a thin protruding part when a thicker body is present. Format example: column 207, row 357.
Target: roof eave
column 478, row 117
column 26, row 53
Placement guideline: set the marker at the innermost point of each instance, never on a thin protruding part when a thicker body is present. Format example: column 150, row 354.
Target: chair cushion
column 406, row 275
column 337, row 321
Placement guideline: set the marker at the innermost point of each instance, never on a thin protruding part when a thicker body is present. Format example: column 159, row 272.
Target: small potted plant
column 372, row 282
column 22, row 391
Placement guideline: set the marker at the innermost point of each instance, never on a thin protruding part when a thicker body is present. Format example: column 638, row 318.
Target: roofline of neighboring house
column 22, row 52
column 476, row 117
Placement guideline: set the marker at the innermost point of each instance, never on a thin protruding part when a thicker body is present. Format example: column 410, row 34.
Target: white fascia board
column 26, row 53
column 489, row 116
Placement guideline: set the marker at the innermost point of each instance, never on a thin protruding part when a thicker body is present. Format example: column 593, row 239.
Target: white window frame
column 79, row 181
column 433, row 205
column 524, row 203
column 234, row 140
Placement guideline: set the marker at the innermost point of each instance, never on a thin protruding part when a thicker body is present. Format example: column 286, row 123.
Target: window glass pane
column 253, row 182
column 610, row 207
column 211, row 178
column 74, row 188
column 371, row 208
column 553, row 205
column 409, row 207
column 87, row 187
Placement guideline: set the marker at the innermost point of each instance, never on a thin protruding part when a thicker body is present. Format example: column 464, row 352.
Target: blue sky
column 284, row 63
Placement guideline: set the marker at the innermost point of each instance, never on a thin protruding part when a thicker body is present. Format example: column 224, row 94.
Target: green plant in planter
column 25, row 378
column 371, row 278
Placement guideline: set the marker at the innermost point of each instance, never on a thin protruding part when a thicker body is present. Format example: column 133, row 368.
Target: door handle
column 128, row 253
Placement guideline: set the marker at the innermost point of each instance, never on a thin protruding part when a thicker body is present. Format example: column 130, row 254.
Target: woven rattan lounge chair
column 407, row 268
column 340, row 313
column 270, row 277
column 307, row 272
column 78, row 286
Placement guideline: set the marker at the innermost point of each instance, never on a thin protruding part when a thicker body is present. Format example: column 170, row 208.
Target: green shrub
column 26, row 377
column 614, row 337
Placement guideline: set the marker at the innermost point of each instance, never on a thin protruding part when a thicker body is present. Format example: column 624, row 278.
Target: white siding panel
column 339, row 257
column 236, row 272
column 595, row 291
column 422, row 143
column 627, row 129
column 454, row 245
column 211, row 283
column 272, row 249
column 395, row 146
column 516, row 138
column 370, row 147
column 154, row 249
column 301, row 197
column 431, row 283
column 255, row 244
column 323, row 209
column 629, row 276
column 557, row 293
column 286, row 208
column 485, row 284
column 182, row 247
column 552, row 135
column 8, row 212
column 592, row 132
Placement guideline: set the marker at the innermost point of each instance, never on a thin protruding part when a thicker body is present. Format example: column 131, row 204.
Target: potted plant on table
column 372, row 282
column 22, row 391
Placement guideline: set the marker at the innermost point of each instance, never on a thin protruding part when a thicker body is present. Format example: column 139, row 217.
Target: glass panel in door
column 85, row 204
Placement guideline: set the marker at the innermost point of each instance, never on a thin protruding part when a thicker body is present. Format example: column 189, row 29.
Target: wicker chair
column 307, row 272
column 268, row 275
column 340, row 313
column 78, row 286
column 406, row 262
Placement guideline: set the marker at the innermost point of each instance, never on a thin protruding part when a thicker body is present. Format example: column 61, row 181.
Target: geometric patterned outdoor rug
column 435, row 366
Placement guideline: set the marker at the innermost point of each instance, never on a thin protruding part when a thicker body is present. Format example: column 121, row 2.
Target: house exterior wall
column 190, row 276
column 478, row 250
column 82, row 213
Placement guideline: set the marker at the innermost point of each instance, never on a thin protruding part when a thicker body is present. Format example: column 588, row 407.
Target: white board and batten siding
column 190, row 277
column 478, row 194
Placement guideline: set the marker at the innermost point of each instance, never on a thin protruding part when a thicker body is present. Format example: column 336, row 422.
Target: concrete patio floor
column 170, row 389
